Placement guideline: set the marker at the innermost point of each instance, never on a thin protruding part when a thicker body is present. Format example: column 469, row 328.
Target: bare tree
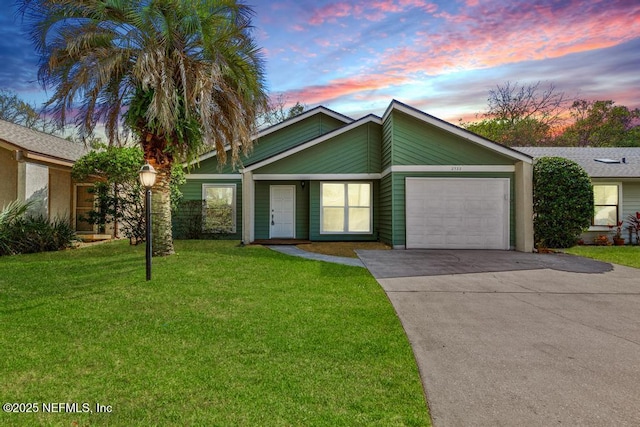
column 529, row 114
column 277, row 111
column 514, row 102
column 15, row 110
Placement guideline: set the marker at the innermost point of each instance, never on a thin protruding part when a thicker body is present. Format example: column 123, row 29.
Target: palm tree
column 186, row 76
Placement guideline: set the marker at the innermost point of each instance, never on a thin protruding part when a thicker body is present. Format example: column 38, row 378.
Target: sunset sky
column 439, row 56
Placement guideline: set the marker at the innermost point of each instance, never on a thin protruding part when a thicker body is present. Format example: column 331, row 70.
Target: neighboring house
column 615, row 175
column 407, row 179
column 36, row 167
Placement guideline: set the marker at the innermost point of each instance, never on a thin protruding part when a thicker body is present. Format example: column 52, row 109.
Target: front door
column 282, row 218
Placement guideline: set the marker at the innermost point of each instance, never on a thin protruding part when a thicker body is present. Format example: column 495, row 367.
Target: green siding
column 210, row 166
column 630, row 198
column 368, row 148
column 292, row 136
column 385, row 212
column 399, row 195
column 314, row 217
column 387, row 143
column 355, row 151
column 192, row 190
column 418, row 143
column 263, row 209
column 275, row 143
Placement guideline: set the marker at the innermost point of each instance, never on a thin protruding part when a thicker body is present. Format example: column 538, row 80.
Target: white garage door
column 457, row 213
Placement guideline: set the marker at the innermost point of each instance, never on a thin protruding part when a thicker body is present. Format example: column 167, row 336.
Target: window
column 219, row 213
column 37, row 189
column 345, row 207
column 605, row 198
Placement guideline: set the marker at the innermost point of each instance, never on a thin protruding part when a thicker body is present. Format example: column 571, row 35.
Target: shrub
column 21, row 233
column 562, row 202
column 633, row 225
column 188, row 222
column 8, row 216
column 119, row 197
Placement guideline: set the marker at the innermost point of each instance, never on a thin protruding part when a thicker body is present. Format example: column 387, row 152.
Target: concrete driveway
column 514, row 339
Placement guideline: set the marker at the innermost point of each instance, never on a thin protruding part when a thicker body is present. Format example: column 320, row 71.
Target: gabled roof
column 39, row 145
column 598, row 162
column 271, row 129
column 456, row 130
column 303, row 116
column 371, row 118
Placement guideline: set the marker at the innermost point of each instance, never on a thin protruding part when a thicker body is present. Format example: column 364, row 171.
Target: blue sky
column 440, row 56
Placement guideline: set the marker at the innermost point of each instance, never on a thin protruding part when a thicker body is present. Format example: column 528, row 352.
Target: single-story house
column 407, row 179
column 36, row 167
column 615, row 175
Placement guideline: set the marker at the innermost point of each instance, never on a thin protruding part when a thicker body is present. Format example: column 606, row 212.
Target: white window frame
column 620, row 207
column 234, row 203
column 346, row 208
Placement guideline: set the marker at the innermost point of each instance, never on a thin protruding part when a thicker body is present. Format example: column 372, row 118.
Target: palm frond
column 13, row 211
column 196, row 64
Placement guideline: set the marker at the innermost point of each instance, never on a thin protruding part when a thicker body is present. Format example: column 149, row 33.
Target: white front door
column 282, row 215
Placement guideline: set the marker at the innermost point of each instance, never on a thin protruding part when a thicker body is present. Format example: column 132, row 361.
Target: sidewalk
column 295, row 251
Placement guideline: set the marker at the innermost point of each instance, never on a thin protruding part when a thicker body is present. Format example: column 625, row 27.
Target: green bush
column 21, row 233
column 562, row 202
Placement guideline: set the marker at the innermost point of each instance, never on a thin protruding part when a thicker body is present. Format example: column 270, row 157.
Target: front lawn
column 222, row 336
column 623, row 255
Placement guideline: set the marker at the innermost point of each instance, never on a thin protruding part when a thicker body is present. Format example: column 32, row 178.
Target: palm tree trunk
column 162, row 240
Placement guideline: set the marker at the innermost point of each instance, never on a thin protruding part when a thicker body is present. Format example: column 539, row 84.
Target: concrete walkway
column 295, row 251
column 511, row 339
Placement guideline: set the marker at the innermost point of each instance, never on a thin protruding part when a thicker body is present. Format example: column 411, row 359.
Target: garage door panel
column 457, row 213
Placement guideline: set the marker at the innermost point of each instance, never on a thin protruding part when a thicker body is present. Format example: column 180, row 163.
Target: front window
column 605, row 198
column 345, row 207
column 219, row 215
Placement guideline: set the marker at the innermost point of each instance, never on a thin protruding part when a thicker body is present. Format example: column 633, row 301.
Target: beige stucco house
column 36, row 166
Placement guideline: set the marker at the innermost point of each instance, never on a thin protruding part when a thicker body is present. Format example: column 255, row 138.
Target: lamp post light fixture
column 148, row 179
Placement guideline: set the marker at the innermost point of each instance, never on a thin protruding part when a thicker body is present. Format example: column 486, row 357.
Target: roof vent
column 608, row 161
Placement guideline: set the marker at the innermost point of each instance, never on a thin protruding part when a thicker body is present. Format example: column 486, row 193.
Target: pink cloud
column 330, row 12
column 497, row 36
column 324, row 42
column 343, row 87
column 376, row 10
column 421, row 4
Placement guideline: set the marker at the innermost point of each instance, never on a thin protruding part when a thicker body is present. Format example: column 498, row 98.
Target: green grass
column 623, row 255
column 221, row 336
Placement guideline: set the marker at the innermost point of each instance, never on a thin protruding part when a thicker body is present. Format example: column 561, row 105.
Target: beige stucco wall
column 60, row 192
column 8, row 176
column 524, row 207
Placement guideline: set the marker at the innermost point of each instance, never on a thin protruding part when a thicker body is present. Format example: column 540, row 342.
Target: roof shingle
column 586, row 157
column 40, row 143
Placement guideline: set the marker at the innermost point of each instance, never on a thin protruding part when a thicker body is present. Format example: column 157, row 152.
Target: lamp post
column 147, row 179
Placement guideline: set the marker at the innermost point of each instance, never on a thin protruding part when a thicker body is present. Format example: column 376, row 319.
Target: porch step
column 93, row 237
column 280, row 242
